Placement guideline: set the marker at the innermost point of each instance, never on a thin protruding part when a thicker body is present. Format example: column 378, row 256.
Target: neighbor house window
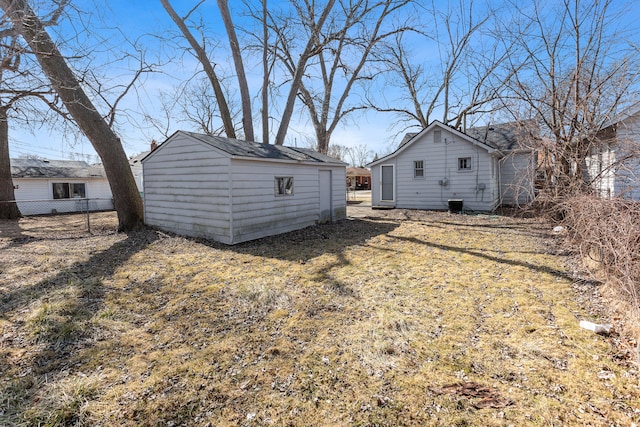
column 418, row 169
column 66, row 190
column 464, row 163
column 284, row 185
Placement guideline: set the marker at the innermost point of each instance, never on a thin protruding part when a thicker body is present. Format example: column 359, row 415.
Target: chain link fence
column 50, row 207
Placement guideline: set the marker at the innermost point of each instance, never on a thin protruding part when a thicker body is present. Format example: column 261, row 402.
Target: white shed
column 233, row 191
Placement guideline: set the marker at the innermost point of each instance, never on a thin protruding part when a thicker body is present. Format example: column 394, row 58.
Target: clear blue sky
column 142, row 21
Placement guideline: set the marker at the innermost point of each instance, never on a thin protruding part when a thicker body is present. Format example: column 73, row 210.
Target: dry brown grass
column 389, row 318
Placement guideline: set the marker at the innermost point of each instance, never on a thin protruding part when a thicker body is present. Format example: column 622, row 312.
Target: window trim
column 283, row 190
column 69, row 187
column 468, row 161
column 417, row 169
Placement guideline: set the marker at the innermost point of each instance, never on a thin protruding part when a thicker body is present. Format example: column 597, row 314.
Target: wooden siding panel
column 254, row 184
column 186, row 189
column 197, row 196
column 441, row 163
column 517, row 171
column 627, row 177
column 35, row 195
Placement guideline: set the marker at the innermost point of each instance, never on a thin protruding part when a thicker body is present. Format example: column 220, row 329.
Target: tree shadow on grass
column 303, row 245
column 62, row 321
column 498, row 259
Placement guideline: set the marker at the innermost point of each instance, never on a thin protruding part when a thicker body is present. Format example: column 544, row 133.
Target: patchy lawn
column 389, row 318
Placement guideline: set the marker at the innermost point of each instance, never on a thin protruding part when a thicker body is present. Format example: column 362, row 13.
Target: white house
column 55, row 186
column 443, row 168
column 613, row 165
column 135, row 163
column 233, row 191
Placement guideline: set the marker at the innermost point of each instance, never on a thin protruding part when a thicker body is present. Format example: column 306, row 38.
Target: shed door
column 387, row 182
column 325, row 196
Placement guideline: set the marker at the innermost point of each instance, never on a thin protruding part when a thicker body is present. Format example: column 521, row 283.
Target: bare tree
column 26, row 100
column 359, row 155
column 354, row 30
column 315, row 23
column 577, row 73
column 209, row 69
column 298, row 68
column 465, row 80
column 200, row 109
column 9, row 61
column 106, row 143
column 247, row 118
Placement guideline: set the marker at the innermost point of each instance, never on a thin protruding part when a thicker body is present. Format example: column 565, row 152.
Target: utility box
column 456, row 205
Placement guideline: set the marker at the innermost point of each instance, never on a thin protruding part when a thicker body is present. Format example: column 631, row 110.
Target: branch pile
column 608, row 232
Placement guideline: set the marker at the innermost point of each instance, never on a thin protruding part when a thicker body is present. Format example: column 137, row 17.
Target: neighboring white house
column 442, row 167
column 234, row 191
column 135, row 163
column 613, row 167
column 56, row 186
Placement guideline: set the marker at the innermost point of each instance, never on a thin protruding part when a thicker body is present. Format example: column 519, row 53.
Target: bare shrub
column 607, row 233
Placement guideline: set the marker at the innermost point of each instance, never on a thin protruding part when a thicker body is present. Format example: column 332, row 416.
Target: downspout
column 499, row 182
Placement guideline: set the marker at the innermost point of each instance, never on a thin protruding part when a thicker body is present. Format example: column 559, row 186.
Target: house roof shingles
column 41, row 168
column 238, row 148
column 503, row 136
column 352, row 171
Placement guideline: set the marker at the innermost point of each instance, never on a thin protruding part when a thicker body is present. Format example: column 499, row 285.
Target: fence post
column 88, row 219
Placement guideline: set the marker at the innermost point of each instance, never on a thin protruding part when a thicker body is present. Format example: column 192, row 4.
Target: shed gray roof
column 238, row 148
column 42, row 168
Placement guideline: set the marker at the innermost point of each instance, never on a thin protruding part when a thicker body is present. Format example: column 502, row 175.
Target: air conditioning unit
column 456, row 205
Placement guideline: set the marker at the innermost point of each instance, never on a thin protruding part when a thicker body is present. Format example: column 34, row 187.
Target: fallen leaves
column 482, row 396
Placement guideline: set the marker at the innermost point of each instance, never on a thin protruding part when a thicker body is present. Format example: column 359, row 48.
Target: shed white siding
column 186, row 190
column 195, row 189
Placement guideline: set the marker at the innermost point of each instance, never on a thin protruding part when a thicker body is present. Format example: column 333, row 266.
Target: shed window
column 437, row 135
column 464, row 163
column 418, row 169
column 66, row 190
column 284, row 186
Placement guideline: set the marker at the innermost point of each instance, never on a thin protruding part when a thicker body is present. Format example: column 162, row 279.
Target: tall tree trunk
column 108, row 146
column 229, row 130
column 299, row 72
column 265, row 75
column 247, row 117
column 8, row 209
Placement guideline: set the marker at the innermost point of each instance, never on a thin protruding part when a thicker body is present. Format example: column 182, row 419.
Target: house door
column 387, row 185
column 325, row 197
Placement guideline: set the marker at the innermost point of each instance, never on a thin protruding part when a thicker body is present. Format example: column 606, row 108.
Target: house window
column 464, row 163
column 66, row 190
column 284, row 186
column 418, row 169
